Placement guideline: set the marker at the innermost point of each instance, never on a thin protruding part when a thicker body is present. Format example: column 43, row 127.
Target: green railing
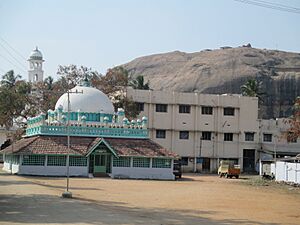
column 85, row 131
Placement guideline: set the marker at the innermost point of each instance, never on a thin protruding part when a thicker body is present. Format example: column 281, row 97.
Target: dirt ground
column 196, row 199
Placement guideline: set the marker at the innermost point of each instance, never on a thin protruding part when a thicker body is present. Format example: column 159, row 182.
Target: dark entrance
column 206, row 165
column 249, row 160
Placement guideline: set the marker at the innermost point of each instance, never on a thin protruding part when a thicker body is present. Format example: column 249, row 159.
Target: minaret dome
column 35, row 72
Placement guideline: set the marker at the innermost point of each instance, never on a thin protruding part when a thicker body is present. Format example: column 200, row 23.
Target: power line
column 278, row 4
column 13, row 64
column 18, row 53
column 275, row 6
column 12, row 56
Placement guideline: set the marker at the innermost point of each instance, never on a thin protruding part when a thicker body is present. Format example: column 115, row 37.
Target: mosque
column 85, row 136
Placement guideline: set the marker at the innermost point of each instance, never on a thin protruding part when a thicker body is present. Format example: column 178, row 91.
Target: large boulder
column 224, row 71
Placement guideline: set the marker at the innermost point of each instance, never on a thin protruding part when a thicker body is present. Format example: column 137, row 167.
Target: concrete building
column 274, row 139
column 205, row 129
column 202, row 128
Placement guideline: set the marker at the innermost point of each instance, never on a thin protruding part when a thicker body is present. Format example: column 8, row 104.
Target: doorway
column 249, row 160
column 100, row 164
column 206, row 165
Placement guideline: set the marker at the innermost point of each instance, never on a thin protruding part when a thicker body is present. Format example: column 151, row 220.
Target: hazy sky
column 102, row 34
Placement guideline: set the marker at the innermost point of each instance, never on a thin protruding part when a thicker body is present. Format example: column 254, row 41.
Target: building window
column 13, row 159
column 161, row 163
column 140, row 106
column 249, row 136
column 161, row 108
column 228, row 136
column 160, row 133
column 184, row 161
column 206, row 135
column 207, row 110
column 33, row 160
column 184, row 109
column 56, row 160
column 121, row 162
column 183, row 135
column 267, row 137
column 229, row 111
column 141, row 162
column 78, row 161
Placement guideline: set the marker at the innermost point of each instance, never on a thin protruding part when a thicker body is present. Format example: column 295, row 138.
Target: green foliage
column 13, row 98
column 130, row 107
column 252, row 89
column 138, row 83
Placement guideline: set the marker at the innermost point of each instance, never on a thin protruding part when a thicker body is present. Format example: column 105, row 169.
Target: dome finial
column 36, row 54
column 85, row 82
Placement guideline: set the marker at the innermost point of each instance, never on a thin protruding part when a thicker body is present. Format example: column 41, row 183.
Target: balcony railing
column 85, row 131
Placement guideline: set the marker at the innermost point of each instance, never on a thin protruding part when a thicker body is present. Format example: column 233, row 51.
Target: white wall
column 11, row 168
column 143, row 173
column 288, row 172
column 53, row 170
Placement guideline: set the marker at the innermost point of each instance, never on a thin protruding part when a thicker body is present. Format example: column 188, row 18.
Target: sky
column 101, row 34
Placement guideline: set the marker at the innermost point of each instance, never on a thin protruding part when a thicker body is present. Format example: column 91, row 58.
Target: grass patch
column 259, row 181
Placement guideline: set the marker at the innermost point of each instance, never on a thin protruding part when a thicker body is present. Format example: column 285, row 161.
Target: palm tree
column 9, row 79
column 251, row 88
column 138, row 83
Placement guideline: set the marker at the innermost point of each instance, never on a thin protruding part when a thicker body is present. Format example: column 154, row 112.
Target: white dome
column 90, row 100
column 36, row 54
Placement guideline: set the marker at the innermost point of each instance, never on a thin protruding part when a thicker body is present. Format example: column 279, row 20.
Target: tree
column 114, row 84
column 14, row 96
column 138, row 83
column 294, row 122
column 115, row 79
column 74, row 74
column 49, row 92
column 252, row 89
column 48, row 82
column 9, row 79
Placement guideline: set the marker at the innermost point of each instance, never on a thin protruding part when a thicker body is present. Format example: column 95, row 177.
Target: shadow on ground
column 32, row 209
column 37, row 181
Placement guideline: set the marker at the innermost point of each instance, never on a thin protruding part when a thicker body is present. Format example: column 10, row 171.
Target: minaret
column 35, row 72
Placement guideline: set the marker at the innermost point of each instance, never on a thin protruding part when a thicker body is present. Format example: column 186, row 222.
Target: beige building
column 203, row 128
column 274, row 139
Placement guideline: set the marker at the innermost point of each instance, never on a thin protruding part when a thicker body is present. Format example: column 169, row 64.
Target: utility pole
column 67, row 193
column 199, row 156
column 200, row 153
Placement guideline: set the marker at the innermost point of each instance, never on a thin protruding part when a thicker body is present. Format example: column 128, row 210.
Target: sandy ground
column 196, row 199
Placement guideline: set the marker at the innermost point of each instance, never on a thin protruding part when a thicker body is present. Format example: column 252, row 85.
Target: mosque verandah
column 116, row 157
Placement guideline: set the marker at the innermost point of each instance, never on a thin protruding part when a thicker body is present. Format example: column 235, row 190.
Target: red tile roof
column 82, row 145
column 52, row 145
column 138, row 147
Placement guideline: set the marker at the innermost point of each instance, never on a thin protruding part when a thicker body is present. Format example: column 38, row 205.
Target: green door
column 100, row 163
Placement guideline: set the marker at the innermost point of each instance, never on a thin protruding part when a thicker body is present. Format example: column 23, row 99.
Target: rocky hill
column 224, row 71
